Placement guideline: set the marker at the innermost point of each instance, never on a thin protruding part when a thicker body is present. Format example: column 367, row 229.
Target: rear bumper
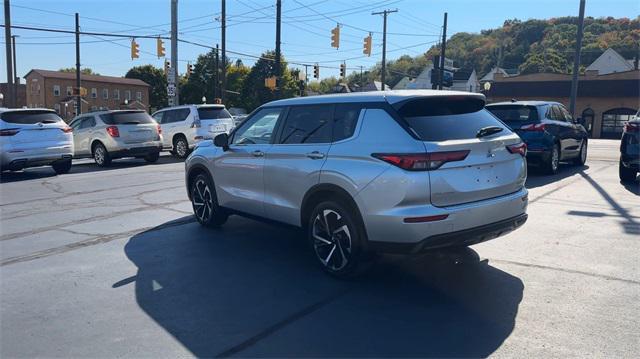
column 19, row 163
column 136, row 151
column 14, row 158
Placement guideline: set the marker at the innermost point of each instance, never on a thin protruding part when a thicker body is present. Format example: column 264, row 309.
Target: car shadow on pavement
column 632, row 186
column 253, row 289
column 536, row 177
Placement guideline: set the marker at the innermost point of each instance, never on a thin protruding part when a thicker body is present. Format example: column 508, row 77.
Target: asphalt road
column 110, row 263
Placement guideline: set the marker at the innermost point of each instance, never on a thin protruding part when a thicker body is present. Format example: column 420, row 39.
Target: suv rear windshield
column 448, row 118
column 514, row 113
column 213, row 113
column 30, row 117
column 126, row 118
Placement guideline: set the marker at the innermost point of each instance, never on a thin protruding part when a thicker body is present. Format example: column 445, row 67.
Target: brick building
column 54, row 90
column 22, row 95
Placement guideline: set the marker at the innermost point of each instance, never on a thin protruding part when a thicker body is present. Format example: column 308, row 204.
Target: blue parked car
column 549, row 131
column 630, row 150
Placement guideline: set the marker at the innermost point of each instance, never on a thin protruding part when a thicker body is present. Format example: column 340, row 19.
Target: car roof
column 391, row 96
column 524, row 103
column 203, row 105
column 6, row 109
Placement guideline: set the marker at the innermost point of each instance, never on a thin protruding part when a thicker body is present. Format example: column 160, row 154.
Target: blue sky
column 251, row 28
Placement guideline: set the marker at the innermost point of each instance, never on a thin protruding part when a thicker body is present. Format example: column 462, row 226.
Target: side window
column 556, row 113
column 258, row 129
column 91, row 122
column 75, row 125
column 345, row 119
column 158, row 117
column 308, row 124
column 566, row 114
column 181, row 114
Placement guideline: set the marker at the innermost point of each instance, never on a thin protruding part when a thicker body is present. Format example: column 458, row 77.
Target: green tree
column 156, row 79
column 550, row 61
column 255, row 93
column 85, row 71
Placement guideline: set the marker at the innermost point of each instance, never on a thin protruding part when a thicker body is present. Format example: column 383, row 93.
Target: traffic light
column 316, row 71
column 189, row 70
column 367, row 45
column 167, row 67
column 160, row 48
column 135, row 49
column 270, row 82
column 343, row 70
column 335, row 37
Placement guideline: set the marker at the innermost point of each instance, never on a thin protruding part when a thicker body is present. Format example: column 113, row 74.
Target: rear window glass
column 442, row 119
column 126, row 118
column 30, row 117
column 213, row 113
column 514, row 113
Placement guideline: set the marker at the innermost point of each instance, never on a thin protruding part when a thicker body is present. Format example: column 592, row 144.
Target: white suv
column 184, row 126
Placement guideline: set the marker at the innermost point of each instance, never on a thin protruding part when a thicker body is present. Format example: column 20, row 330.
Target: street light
column 2, row 98
column 204, row 99
column 126, row 102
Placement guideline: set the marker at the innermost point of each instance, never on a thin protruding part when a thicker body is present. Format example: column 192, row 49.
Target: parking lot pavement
column 110, row 262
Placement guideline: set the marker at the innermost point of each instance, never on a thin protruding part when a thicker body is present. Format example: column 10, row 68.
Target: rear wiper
column 488, row 131
column 131, row 123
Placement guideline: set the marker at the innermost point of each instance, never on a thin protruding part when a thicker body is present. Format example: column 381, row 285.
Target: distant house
column 22, row 95
column 374, row 86
column 340, row 88
column 465, row 81
column 402, row 84
column 610, row 62
column 423, row 81
column 490, row 76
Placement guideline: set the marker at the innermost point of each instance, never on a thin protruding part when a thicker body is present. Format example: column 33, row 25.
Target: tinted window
column 30, row 117
column 566, row 114
column 158, row 117
column 258, row 129
column 308, row 124
column 126, row 118
column 345, row 120
column 514, row 113
column 87, row 122
column 176, row 115
column 213, row 113
column 555, row 113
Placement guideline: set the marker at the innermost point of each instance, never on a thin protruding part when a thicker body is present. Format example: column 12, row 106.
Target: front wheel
column 626, row 174
column 337, row 239
column 205, row 202
column 582, row 156
column 62, row 167
column 553, row 163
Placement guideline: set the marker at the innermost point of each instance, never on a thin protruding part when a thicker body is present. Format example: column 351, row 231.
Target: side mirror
column 222, row 140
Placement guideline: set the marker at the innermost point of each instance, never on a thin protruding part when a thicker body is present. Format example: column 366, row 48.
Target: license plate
column 217, row 128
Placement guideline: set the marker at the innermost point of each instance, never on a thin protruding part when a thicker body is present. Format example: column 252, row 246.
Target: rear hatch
column 133, row 126
column 515, row 116
column 215, row 119
column 475, row 149
column 34, row 128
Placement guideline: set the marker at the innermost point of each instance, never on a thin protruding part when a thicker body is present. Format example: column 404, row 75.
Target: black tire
column 180, row 146
column 101, row 155
column 205, row 202
column 582, row 156
column 62, row 167
column 627, row 174
column 552, row 165
column 340, row 252
column 152, row 157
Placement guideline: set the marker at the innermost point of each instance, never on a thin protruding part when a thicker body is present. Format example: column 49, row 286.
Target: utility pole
column 442, row 52
column 306, row 77
column 361, row 83
column 384, row 43
column 78, row 97
column 16, row 81
column 173, row 76
column 224, row 52
column 576, row 62
column 216, row 74
column 277, row 62
column 11, row 98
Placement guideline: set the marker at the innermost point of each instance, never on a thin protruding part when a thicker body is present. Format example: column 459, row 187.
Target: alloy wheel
column 555, row 158
column 202, row 201
column 99, row 155
column 583, row 153
column 181, row 148
column 331, row 239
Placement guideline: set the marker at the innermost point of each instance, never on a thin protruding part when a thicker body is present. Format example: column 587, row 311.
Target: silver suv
column 387, row 171
column 107, row 135
column 184, row 126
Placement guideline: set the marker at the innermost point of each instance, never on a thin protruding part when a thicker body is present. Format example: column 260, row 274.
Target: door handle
column 315, row 155
column 257, row 153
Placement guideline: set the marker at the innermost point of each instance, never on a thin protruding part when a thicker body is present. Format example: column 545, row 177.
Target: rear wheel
column 180, row 147
column 626, row 174
column 337, row 239
column 152, row 157
column 553, row 163
column 582, row 156
column 62, row 167
column 101, row 156
column 205, row 202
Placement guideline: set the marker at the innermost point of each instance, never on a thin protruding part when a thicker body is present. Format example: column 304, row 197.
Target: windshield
column 213, row 113
column 514, row 113
column 30, row 117
column 126, row 118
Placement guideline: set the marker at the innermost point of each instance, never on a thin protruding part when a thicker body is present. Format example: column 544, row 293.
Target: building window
column 127, row 95
column 56, row 90
column 69, row 91
column 94, row 92
column 105, row 94
column 139, row 96
column 613, row 121
column 116, row 94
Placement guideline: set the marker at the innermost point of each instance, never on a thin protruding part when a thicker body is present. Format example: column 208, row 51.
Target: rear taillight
column 631, row 127
column 67, row 129
column 421, row 161
column 159, row 129
column 9, row 132
column 519, row 148
column 536, row 127
column 113, row 131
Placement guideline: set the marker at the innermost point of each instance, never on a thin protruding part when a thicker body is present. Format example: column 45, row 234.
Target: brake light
column 421, row 161
column 519, row 148
column 536, row 127
column 631, row 127
column 159, row 129
column 67, row 129
column 113, row 131
column 9, row 132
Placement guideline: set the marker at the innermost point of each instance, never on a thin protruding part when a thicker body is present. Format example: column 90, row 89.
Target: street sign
column 171, row 90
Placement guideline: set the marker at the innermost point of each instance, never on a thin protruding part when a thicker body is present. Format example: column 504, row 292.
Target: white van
column 184, row 126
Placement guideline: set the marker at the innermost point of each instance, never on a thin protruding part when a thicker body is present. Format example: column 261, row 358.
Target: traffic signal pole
column 11, row 99
column 173, row 77
column 576, row 62
column 442, row 52
column 78, row 96
column 384, row 43
column 223, row 36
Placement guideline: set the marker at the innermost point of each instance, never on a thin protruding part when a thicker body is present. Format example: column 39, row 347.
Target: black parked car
column 551, row 134
column 630, row 150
